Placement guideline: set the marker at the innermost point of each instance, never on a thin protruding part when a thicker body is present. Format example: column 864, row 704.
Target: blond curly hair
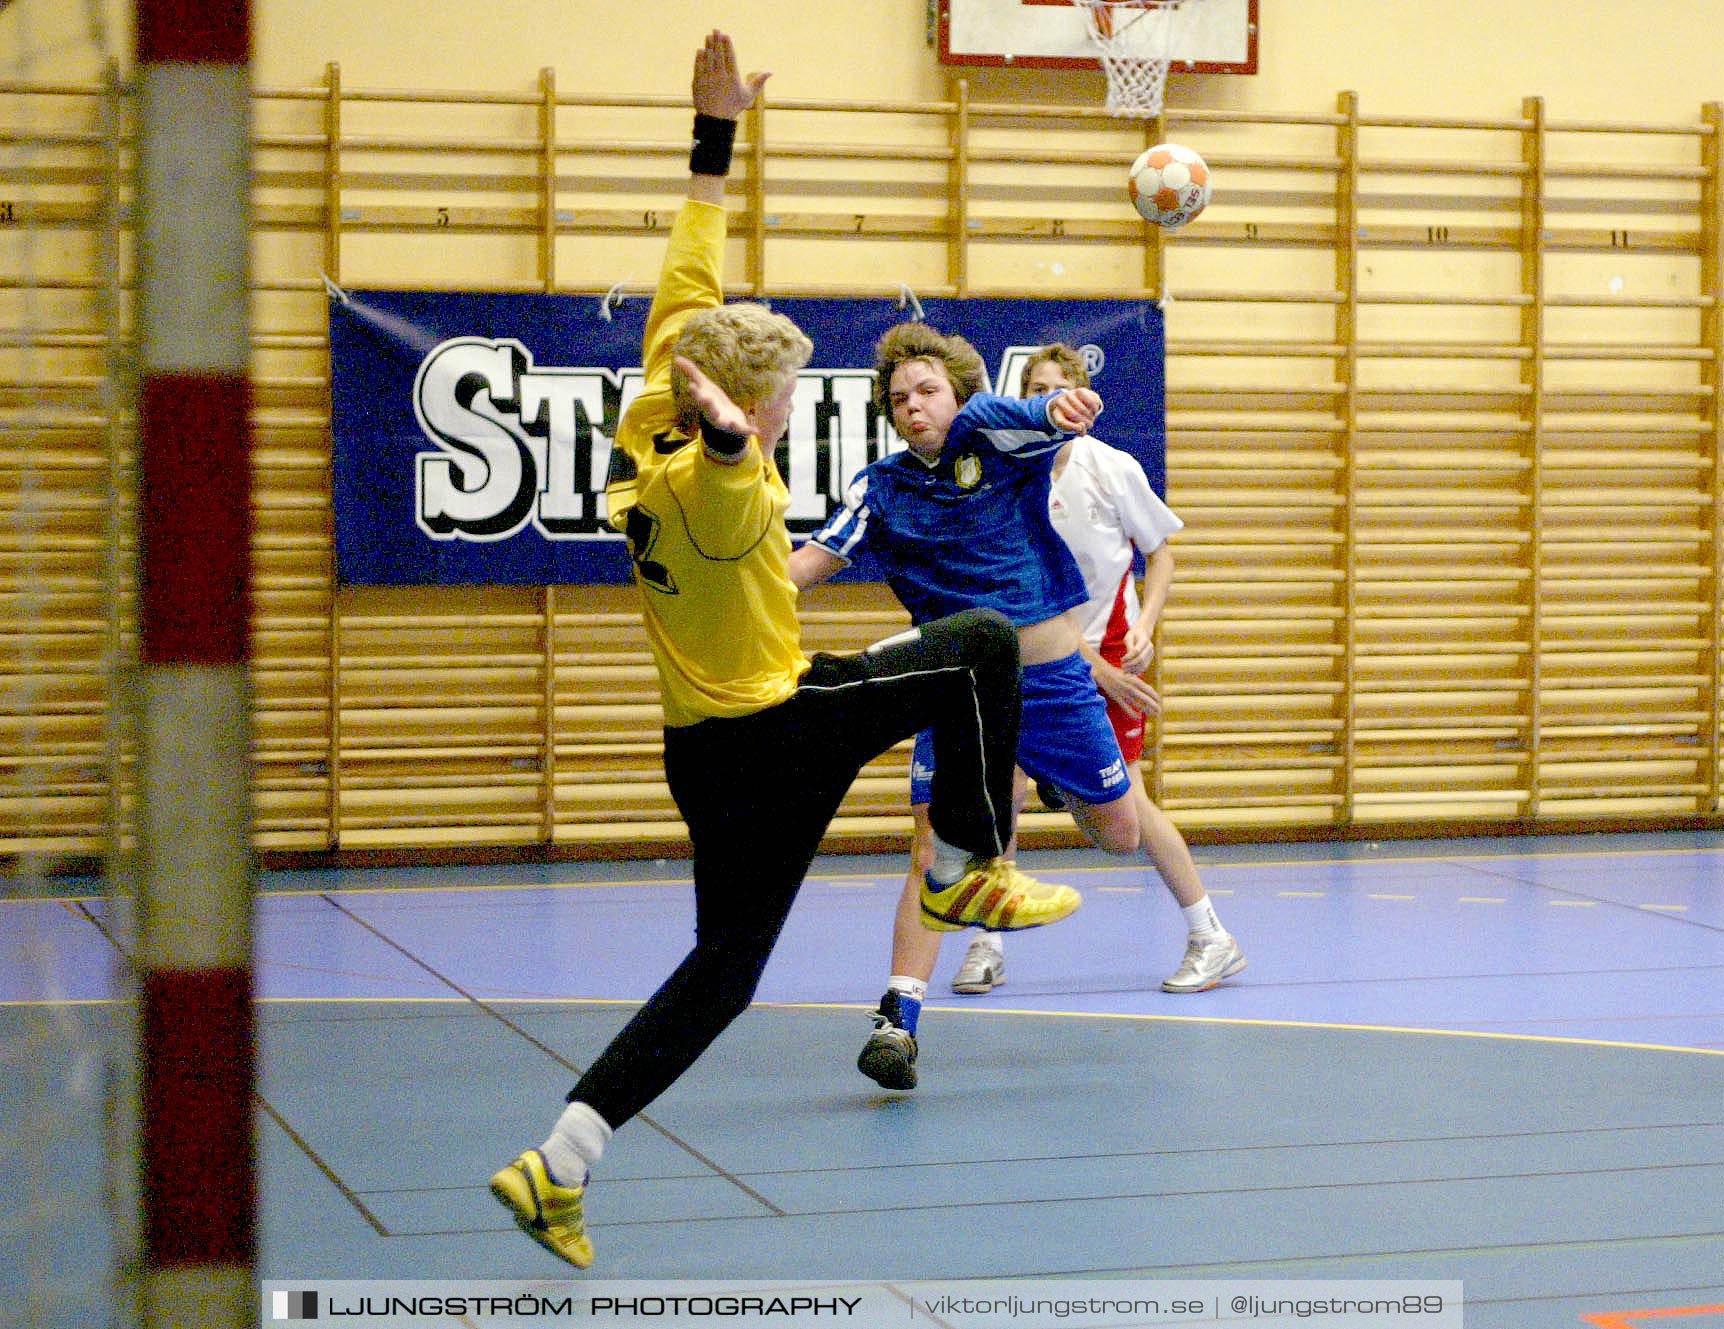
column 961, row 362
column 746, row 349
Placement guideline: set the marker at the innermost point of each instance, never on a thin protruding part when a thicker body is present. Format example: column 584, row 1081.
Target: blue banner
column 472, row 432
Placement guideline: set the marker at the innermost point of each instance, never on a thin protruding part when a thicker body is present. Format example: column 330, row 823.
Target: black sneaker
column 889, row 1056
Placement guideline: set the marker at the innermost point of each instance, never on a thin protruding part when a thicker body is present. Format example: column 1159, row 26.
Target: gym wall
column 1443, row 398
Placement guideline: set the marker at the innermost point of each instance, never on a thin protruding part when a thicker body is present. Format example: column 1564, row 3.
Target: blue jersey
column 972, row 529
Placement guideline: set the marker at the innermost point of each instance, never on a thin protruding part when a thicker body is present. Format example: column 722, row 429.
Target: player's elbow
column 810, row 565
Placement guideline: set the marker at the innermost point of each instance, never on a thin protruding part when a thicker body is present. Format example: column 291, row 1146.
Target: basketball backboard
column 1210, row 36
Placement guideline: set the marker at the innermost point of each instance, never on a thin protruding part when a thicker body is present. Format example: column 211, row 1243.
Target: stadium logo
column 517, row 444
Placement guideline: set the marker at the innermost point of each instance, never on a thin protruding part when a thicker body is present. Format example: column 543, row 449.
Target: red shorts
column 1128, row 726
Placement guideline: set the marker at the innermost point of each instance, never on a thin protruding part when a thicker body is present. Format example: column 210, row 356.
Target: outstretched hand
column 715, row 404
column 1075, row 410
column 720, row 90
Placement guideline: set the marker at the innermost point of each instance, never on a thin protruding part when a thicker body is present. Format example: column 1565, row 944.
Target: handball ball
column 1169, row 185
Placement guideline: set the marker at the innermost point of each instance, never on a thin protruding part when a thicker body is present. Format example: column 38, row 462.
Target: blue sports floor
column 1499, row 1061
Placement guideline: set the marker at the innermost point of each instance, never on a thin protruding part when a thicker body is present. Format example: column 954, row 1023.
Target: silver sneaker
column 983, row 970
column 1207, row 961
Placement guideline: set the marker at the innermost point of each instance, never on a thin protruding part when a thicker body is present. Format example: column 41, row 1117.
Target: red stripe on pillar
column 198, row 1176
column 194, row 31
column 194, row 519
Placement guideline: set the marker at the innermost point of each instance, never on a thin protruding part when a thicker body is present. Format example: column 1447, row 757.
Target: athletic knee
column 726, row 995
column 987, row 632
column 727, row 970
column 1113, row 834
column 1119, row 841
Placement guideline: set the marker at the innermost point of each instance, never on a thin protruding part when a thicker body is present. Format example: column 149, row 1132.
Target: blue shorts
column 1064, row 737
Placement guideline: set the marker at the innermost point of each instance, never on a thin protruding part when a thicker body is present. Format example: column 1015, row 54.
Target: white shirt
column 1102, row 507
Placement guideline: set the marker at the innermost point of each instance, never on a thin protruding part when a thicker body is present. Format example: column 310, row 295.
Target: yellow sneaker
column 548, row 1213
column 996, row 896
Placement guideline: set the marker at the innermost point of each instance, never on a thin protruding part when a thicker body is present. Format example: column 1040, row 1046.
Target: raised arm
column 692, row 274
column 1074, row 410
column 1025, row 427
column 721, row 94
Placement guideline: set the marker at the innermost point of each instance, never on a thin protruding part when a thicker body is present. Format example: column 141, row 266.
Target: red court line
column 1626, row 1319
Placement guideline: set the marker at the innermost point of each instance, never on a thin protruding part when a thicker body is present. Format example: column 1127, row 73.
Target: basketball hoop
column 1134, row 40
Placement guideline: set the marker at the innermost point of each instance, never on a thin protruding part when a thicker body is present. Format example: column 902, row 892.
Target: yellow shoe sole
column 514, row 1191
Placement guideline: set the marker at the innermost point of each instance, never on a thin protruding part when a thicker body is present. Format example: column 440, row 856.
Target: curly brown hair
column 961, row 362
column 1069, row 361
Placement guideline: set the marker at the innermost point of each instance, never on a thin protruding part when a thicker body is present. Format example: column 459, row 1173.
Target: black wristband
column 721, row 442
column 713, row 138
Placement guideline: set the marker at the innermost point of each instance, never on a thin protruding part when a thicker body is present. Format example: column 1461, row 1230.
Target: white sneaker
column 983, row 970
column 1207, row 961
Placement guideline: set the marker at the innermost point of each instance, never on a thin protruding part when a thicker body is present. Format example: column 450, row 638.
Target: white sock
column 577, row 1141
column 1201, row 919
column 950, row 863
column 990, row 941
column 907, row 986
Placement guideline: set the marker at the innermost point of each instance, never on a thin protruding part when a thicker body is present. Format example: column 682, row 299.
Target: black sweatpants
column 758, row 792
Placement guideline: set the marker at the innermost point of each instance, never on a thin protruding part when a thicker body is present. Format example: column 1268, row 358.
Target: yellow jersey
column 708, row 539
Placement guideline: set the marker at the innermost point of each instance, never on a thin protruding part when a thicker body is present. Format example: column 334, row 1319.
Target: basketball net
column 1134, row 40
